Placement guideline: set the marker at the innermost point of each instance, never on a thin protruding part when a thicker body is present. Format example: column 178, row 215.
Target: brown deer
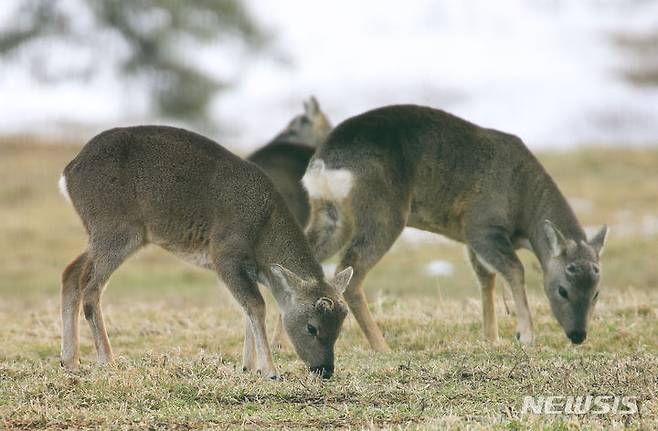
column 415, row 166
column 285, row 159
column 179, row 190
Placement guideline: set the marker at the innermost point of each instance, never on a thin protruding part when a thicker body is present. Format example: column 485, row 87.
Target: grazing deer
column 284, row 160
column 415, row 166
column 187, row 194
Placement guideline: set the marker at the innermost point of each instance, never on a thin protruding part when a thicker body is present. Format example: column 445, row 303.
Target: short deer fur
column 415, row 166
column 285, row 159
column 185, row 193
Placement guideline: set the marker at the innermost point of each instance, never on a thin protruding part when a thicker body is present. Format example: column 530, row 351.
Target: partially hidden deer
column 285, row 158
column 185, row 193
column 416, row 166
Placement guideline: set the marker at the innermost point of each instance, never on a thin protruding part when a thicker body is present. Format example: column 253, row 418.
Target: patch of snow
column 649, row 225
column 628, row 224
column 439, row 268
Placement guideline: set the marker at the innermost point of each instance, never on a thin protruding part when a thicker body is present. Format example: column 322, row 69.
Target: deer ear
column 324, row 304
column 312, row 107
column 555, row 239
column 286, row 278
column 598, row 241
column 342, row 279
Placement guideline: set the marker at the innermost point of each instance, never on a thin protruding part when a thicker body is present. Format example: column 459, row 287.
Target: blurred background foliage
column 643, row 51
column 150, row 33
column 558, row 73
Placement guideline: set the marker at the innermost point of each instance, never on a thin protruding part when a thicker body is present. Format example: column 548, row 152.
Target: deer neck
column 550, row 204
column 283, row 242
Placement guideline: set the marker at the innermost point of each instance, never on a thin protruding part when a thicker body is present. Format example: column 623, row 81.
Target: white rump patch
column 63, row 189
column 325, row 183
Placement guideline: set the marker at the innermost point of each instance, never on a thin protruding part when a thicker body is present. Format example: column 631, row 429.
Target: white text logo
column 579, row 405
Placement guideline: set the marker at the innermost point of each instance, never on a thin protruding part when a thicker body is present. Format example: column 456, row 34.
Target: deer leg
column 245, row 291
column 327, row 230
column 373, row 237
column 107, row 252
column 358, row 303
column 495, row 252
column 249, row 350
column 71, row 302
column 487, row 281
column 279, row 338
column 366, row 224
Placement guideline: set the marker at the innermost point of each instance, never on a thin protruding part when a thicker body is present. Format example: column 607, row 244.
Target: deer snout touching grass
column 416, row 166
column 185, row 193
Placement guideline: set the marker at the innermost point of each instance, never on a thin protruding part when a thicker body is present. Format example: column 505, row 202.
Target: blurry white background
column 556, row 73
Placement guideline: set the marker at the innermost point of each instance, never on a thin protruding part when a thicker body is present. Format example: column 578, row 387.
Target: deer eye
column 596, row 295
column 312, row 330
column 563, row 292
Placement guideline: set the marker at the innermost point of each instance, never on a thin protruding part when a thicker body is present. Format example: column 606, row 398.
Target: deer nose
column 577, row 336
column 325, row 371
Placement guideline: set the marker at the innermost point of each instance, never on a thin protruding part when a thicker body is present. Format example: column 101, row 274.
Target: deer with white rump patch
column 187, row 194
column 415, row 166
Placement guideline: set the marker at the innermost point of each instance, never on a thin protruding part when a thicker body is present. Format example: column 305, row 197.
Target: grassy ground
column 178, row 336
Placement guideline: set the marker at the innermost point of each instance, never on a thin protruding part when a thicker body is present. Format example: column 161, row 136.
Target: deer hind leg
column 495, row 251
column 358, row 303
column 106, row 253
column 70, row 309
column 377, row 226
column 487, row 281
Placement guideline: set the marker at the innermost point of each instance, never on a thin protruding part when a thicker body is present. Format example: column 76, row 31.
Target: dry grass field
column 178, row 336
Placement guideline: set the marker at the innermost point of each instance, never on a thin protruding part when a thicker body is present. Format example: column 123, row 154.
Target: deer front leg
column 487, row 281
column 249, row 349
column 246, row 293
column 524, row 331
column 279, row 338
column 495, row 252
column 255, row 311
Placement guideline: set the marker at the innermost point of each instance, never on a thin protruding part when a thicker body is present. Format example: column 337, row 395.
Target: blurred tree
column 643, row 70
column 147, row 37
